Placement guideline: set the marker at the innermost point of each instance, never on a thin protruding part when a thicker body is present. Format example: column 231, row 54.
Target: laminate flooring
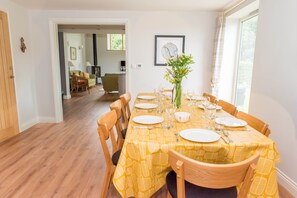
column 58, row 160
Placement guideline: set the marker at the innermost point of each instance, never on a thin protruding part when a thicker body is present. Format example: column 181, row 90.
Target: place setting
column 145, row 107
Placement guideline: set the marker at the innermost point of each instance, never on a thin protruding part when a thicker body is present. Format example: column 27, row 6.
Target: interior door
column 8, row 111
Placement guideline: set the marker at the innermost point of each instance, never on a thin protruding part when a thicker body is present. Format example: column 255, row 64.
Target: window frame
column 108, row 37
column 238, row 43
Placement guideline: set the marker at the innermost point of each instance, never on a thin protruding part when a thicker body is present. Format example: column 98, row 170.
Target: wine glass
column 190, row 94
column 205, row 101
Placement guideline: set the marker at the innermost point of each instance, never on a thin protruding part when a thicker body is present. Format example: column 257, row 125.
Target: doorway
column 55, row 58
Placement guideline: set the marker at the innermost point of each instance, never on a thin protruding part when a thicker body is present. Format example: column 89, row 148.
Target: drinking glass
column 210, row 111
column 160, row 107
column 170, row 110
column 206, row 101
column 190, row 94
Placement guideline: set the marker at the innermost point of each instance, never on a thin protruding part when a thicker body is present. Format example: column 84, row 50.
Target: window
column 116, row 42
column 246, row 51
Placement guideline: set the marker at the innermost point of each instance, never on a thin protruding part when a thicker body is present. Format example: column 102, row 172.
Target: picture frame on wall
column 72, row 53
column 168, row 46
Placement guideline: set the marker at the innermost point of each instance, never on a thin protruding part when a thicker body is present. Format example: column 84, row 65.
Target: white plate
column 199, row 135
column 202, row 107
column 230, row 122
column 146, row 105
column 198, row 98
column 146, row 97
column 148, row 119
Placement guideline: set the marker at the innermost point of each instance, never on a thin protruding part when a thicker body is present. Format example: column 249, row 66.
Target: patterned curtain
column 218, row 54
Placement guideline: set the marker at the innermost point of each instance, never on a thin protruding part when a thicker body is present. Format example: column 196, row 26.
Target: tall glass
column 210, row 112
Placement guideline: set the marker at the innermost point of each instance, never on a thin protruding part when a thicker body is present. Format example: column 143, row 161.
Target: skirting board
column 67, row 97
column 287, row 183
column 29, row 124
column 47, row 120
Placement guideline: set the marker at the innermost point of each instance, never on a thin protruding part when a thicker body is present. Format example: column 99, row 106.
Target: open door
column 8, row 111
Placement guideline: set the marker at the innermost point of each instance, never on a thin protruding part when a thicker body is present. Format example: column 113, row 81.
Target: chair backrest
column 125, row 98
column 254, row 122
column 105, row 130
column 212, row 175
column 212, row 98
column 117, row 106
column 267, row 132
column 228, row 107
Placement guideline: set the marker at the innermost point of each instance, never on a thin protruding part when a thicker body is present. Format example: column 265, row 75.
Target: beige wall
column 24, row 68
column 274, row 85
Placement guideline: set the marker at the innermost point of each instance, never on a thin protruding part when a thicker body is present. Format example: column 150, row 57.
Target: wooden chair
column 212, row 98
column 191, row 178
column 105, row 130
column 228, row 107
column 117, row 106
column 267, row 132
column 125, row 98
column 254, row 122
column 78, row 82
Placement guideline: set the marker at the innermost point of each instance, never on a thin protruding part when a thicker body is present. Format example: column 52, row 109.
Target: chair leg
column 106, row 182
column 168, row 194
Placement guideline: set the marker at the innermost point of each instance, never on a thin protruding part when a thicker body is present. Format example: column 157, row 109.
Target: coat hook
column 23, row 45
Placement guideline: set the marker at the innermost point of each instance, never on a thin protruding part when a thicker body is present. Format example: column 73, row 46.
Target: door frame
column 53, row 23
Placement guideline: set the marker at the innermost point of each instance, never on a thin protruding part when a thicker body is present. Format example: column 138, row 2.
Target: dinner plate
column 201, row 106
column 146, row 105
column 148, row 119
column 146, row 97
column 230, row 122
column 199, row 135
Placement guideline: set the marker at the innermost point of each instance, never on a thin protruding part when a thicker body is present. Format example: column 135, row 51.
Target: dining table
column 143, row 164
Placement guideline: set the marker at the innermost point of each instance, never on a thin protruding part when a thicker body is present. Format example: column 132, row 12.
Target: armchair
column 82, row 80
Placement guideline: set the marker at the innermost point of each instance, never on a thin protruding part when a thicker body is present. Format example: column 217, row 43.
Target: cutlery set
column 225, row 137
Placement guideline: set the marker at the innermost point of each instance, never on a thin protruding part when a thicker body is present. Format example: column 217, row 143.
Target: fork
column 143, row 110
column 227, row 141
column 145, row 127
column 176, row 137
column 226, row 133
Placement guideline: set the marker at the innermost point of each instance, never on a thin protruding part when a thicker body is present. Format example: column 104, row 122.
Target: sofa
column 110, row 82
column 89, row 78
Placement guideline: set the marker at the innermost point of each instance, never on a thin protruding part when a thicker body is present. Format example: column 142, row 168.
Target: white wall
column 108, row 60
column 24, row 69
column 274, row 85
column 89, row 48
column 198, row 27
column 76, row 40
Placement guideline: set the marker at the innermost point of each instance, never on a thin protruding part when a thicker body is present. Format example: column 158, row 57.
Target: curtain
column 218, row 53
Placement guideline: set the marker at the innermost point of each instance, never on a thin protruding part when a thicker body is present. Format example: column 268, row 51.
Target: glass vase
column 177, row 95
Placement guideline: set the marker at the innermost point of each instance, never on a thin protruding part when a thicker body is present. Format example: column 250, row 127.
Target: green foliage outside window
column 116, row 41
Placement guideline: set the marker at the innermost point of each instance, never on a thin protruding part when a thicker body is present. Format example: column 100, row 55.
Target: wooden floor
column 58, row 160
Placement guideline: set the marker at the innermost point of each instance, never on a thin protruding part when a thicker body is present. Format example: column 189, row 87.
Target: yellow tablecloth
column 143, row 164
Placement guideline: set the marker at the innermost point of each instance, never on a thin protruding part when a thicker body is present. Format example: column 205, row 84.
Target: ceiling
column 170, row 5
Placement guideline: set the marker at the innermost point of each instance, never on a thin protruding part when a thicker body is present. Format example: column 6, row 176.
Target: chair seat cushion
column 197, row 191
column 124, row 131
column 115, row 157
